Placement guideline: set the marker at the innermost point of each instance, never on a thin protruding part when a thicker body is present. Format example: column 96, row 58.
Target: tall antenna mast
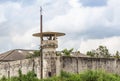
column 41, row 24
column 41, row 37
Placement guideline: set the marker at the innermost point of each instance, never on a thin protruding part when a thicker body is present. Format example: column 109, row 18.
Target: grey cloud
column 55, row 8
column 8, row 27
column 93, row 3
column 25, row 20
column 23, row 2
column 95, row 32
column 100, row 32
column 5, row 43
column 28, row 2
column 2, row 1
column 4, row 29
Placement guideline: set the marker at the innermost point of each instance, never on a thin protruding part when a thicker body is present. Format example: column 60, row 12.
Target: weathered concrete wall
column 76, row 65
column 54, row 65
column 9, row 69
column 51, row 68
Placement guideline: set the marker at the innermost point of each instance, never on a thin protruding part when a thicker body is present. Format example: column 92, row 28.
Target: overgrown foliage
column 67, row 52
column 100, row 52
column 117, row 55
column 103, row 52
column 30, row 76
column 88, row 75
column 35, row 54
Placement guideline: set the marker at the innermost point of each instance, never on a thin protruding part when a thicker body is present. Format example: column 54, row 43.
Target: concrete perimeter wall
column 52, row 65
column 79, row 64
column 9, row 69
column 55, row 65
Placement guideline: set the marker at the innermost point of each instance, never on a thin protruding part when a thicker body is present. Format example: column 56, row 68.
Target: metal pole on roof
column 41, row 37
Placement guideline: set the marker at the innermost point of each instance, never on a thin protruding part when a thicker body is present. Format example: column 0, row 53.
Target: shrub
column 88, row 75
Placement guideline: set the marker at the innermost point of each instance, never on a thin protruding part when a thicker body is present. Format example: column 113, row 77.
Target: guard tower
column 48, row 46
column 49, row 43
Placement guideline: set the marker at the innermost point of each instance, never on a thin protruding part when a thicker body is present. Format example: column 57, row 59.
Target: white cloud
column 67, row 16
column 2, row 16
column 112, row 13
column 111, row 43
column 78, row 19
column 25, row 40
column 75, row 3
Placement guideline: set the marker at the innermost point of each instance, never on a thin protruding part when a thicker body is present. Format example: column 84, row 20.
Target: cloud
column 22, row 2
column 19, row 19
column 3, row 1
column 80, row 20
column 16, row 23
column 24, row 40
column 2, row 16
column 93, row 3
column 89, row 22
column 111, row 43
column 84, row 23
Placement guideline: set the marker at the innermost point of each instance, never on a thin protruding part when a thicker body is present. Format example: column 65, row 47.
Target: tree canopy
column 67, row 52
column 101, row 52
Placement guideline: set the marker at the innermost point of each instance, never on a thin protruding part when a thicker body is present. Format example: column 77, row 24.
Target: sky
column 87, row 23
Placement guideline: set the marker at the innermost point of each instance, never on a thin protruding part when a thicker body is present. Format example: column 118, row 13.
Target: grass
column 88, row 75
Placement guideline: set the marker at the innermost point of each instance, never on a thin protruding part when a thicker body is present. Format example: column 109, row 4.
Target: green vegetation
column 67, row 52
column 100, row 52
column 84, row 76
column 35, row 54
column 30, row 76
column 117, row 55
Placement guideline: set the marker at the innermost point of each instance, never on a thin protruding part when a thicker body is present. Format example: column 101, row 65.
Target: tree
column 91, row 53
column 103, row 52
column 100, row 52
column 67, row 52
column 35, row 54
column 117, row 55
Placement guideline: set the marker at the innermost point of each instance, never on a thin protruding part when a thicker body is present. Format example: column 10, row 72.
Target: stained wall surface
column 9, row 69
column 51, row 68
column 79, row 64
column 56, row 64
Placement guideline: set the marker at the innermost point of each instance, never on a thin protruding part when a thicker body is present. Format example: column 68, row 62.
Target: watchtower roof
column 46, row 34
